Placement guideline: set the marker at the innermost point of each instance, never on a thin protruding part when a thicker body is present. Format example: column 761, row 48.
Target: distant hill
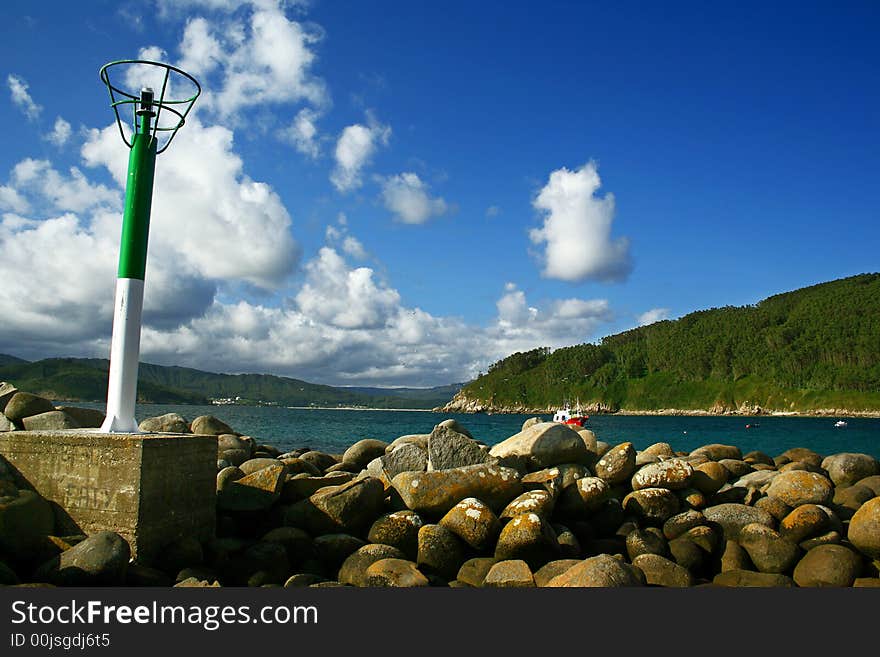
column 85, row 379
column 803, row 351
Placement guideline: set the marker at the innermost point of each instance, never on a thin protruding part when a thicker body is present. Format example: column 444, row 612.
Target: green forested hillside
column 817, row 347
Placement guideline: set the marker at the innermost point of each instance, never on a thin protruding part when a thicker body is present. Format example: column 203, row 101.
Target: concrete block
column 152, row 489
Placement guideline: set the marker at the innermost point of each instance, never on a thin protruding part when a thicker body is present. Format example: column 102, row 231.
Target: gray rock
column 406, row 458
column 599, row 571
column 733, row 517
column 24, row 404
column 774, row 506
column 687, row 554
column 618, row 464
column 455, row 425
column 420, row 440
column 354, row 568
column 544, row 445
column 768, row 550
column 435, row 493
column 673, row 474
column 399, row 529
column 50, row 421
column 799, row 454
column 736, row 467
column 208, row 425
column 828, row 565
column 473, row 522
column 440, row 552
column 168, row 423
column 100, row 560
column 864, row 529
column 660, row 571
column 847, row 468
column 450, row 449
column 511, row 573
column 532, row 421
column 800, row 487
column 233, row 456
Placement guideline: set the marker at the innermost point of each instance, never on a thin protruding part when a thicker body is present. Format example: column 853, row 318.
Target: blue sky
column 401, row 193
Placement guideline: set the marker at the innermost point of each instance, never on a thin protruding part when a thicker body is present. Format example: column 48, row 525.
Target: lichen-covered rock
column 618, row 464
column 511, row 573
column 803, row 522
column 473, row 571
column 536, row 501
column 847, row 468
column 774, row 506
column 709, row 477
column 673, row 474
column 302, row 485
column 24, row 404
column 354, row 568
column 406, row 458
column 768, row 550
column 748, row 578
column 529, row 537
column 553, row 569
column 864, row 529
column 660, row 571
column 653, row 505
column 400, row 529
column 799, row 454
column 434, row 493
column 544, row 445
column 583, row 497
column 828, row 565
column 208, row 425
column 168, row 423
column 348, row 509
column 798, row 487
column 681, row 522
column 473, row 522
column 448, row 449
column 397, row 573
column 733, row 517
column 253, row 492
column 255, row 465
column 599, row 571
column 440, row 551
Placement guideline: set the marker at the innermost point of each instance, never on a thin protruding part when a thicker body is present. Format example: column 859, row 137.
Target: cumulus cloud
column 303, row 133
column 653, row 315
column 72, row 192
column 22, row 99
column 60, row 132
column 354, row 149
column 577, row 229
column 407, row 197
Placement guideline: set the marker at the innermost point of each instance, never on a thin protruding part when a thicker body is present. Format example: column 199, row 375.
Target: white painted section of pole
column 124, row 354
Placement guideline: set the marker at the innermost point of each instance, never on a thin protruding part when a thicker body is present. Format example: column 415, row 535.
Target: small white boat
column 575, row 417
column 840, row 424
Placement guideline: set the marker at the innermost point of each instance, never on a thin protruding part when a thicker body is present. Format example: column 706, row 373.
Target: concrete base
column 152, row 489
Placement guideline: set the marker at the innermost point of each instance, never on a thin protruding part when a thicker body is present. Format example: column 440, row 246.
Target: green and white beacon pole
column 144, row 146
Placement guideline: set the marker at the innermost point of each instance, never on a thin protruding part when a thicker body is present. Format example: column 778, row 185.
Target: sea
column 333, row 430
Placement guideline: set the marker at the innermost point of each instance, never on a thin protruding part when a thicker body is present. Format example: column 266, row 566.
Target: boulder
column 318, row 459
column 599, row 571
column 529, row 537
column 799, row 454
column 302, row 485
column 454, row 425
column 449, row 449
column 758, row 479
column 653, row 505
column 362, row 452
column 849, row 499
column 532, row 421
column 420, row 440
column 534, row 501
column 49, row 421
column 100, row 560
column 332, row 550
column 208, row 425
column 864, row 529
column 397, row 573
column 717, row 452
column 544, row 445
column 440, row 552
column 659, row 449
column 872, row 482
column 673, row 474
column 298, row 544
column 255, row 465
column 774, row 506
column 768, row 550
column 735, row 467
column 828, row 565
column 7, row 391
column 302, row 580
column 735, row 557
column 803, row 522
column 26, row 518
column 24, row 404
column 168, row 423
column 473, row 522
column 435, row 493
column 583, row 497
column 6, row 424
column 618, row 464
column 349, row 509
column 253, row 492
column 89, row 418
column 406, row 458
column 682, row 522
column 296, row 465
column 709, row 477
column 733, row 517
column 511, row 573
column 568, row 542
column 183, row 553
column 553, row 569
column 399, row 529
column 687, row 554
column 800, row 487
column 645, row 541
column 748, row 578
column 354, row 568
column 473, row 571
column 846, row 469
column 660, row 571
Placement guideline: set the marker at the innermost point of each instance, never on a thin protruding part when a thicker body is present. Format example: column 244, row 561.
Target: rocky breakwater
column 549, row 506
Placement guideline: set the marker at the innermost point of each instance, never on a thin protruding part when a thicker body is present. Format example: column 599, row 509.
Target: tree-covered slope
column 814, row 348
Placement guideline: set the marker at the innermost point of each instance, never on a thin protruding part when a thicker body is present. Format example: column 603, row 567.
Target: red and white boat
column 571, row 417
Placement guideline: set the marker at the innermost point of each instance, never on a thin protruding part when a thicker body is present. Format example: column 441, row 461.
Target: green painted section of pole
column 138, row 200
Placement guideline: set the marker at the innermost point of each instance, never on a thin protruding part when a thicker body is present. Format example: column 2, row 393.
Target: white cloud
column 60, row 132
column 303, row 133
column 577, row 229
column 22, row 99
column 493, row 211
column 337, row 236
column 355, row 148
column 10, row 199
column 72, row 193
column 653, row 315
column 407, row 197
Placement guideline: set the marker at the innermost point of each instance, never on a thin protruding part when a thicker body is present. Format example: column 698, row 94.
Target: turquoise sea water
column 334, row 430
